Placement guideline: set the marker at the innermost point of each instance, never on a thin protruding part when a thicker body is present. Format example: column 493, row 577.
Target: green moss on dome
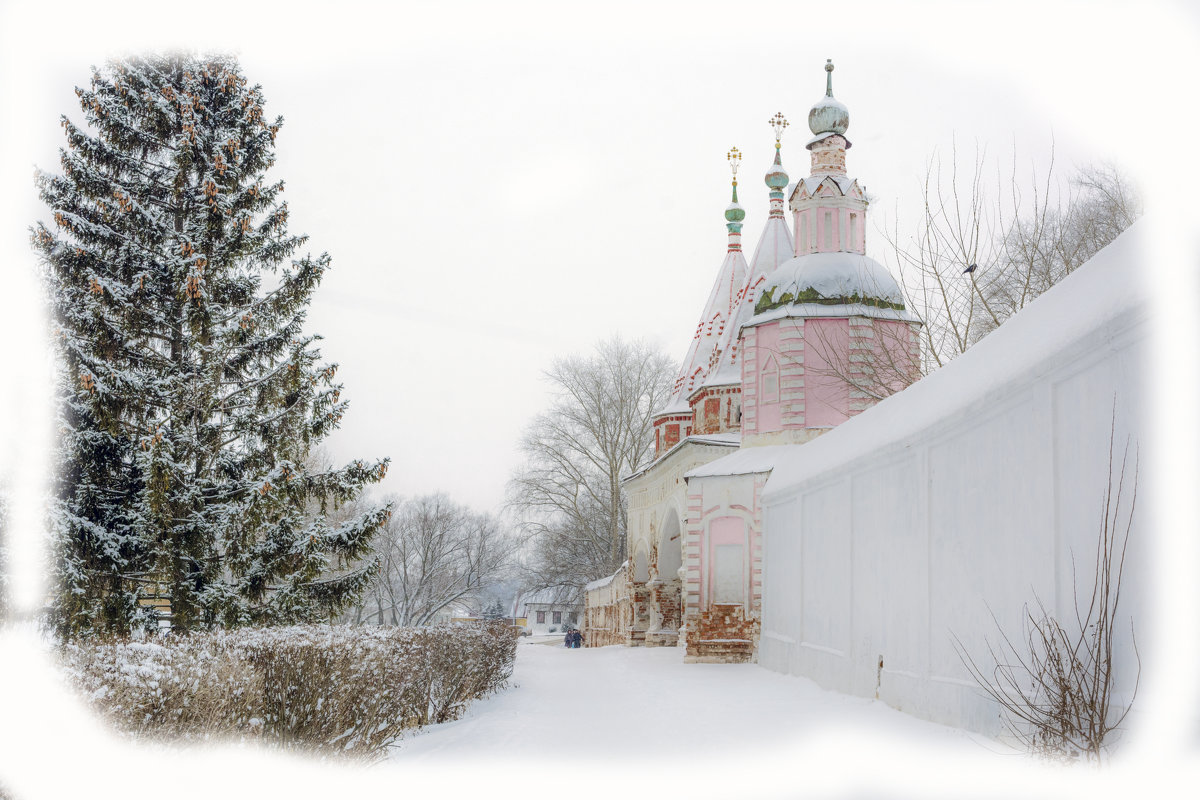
column 767, row 302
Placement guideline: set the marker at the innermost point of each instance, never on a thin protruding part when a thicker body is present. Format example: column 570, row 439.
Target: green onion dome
column 734, row 212
column 828, row 115
column 776, row 177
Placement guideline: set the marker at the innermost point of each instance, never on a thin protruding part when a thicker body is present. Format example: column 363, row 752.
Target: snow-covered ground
column 645, row 704
column 605, row 723
column 617, row 721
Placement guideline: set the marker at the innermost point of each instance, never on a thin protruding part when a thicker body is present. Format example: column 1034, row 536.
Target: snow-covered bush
column 344, row 690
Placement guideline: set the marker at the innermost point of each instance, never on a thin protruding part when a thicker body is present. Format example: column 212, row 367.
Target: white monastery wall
column 972, row 492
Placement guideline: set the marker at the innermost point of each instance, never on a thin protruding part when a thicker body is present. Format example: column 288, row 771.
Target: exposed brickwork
column 723, row 634
column 829, row 156
column 638, row 619
column 667, row 431
column 717, row 409
column 608, row 610
column 665, row 605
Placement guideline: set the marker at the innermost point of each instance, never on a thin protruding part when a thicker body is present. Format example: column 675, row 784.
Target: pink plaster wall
column 749, row 390
column 811, row 218
column 769, row 416
column 724, row 531
column 826, row 350
column 896, row 344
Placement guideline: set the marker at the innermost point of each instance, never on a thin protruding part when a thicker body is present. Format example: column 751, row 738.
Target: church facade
column 807, row 334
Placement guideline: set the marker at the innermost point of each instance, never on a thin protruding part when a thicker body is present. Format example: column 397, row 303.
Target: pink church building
column 808, row 333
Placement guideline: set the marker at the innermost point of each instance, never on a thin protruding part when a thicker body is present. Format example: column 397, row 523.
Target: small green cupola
column 734, row 213
column 777, row 177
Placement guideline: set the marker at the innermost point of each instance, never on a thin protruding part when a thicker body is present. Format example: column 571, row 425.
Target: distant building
column 455, row 612
column 549, row 610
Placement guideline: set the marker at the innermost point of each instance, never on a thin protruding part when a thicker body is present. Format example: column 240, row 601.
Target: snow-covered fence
column 974, row 492
column 343, row 690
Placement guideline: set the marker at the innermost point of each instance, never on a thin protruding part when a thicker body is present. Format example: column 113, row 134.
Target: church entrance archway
column 665, row 588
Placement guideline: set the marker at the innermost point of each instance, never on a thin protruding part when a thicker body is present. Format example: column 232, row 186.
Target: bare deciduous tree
column 433, row 554
column 1054, row 685
column 1022, row 237
column 597, row 432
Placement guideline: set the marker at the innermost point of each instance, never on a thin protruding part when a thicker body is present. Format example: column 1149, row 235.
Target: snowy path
column 572, row 703
column 640, row 716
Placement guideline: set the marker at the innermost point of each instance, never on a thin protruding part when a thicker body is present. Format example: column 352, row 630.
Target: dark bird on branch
column 970, row 269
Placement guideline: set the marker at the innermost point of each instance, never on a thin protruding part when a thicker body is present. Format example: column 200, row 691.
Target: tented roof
column 775, row 246
column 714, row 321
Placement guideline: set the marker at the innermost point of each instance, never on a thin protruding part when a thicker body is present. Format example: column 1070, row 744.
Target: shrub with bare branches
column 1054, row 684
column 329, row 690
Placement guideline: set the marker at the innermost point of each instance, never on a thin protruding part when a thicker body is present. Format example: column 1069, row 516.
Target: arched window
column 770, row 381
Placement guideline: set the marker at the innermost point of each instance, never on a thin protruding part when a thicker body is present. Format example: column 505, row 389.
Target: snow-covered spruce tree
column 189, row 394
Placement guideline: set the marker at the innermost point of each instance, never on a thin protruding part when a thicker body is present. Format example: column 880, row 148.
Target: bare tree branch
column 1054, row 687
column 598, row 432
column 1022, row 241
column 434, row 553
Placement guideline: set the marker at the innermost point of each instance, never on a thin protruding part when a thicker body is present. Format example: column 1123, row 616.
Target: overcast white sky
column 501, row 184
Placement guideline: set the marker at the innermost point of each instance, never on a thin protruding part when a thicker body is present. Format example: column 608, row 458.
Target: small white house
column 549, row 610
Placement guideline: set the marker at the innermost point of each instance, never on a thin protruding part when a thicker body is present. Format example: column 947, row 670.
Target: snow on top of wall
column 732, row 437
column 1107, row 287
column 601, row 583
column 745, row 461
